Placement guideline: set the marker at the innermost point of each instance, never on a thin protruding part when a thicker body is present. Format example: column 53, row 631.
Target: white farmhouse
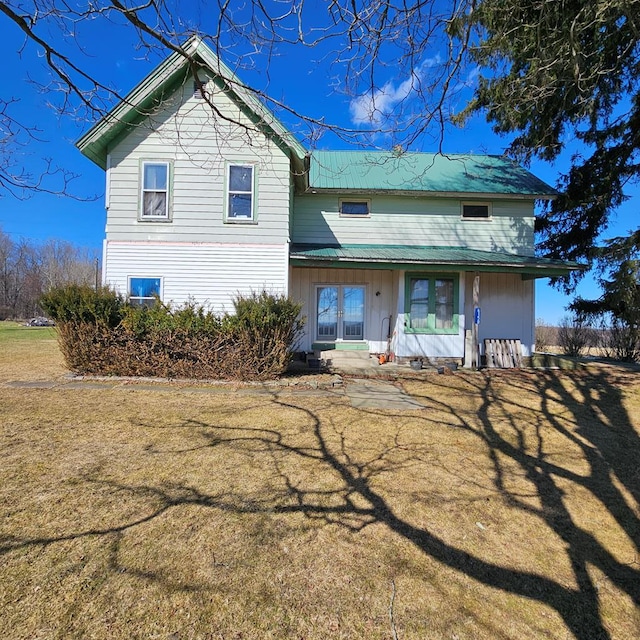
column 209, row 196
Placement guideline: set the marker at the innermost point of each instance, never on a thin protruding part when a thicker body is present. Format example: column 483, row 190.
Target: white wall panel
column 212, row 275
column 378, row 307
column 507, row 307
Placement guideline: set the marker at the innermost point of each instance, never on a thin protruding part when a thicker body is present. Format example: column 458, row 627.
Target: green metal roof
column 443, row 174
column 410, row 257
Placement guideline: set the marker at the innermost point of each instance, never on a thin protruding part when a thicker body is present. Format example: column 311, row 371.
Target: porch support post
column 475, row 345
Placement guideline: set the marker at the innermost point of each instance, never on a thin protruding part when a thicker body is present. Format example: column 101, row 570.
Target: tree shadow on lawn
column 602, row 431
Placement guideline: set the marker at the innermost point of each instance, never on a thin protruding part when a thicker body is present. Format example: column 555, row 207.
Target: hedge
column 101, row 334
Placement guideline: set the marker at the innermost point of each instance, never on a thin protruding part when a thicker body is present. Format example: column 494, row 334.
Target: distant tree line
column 28, row 270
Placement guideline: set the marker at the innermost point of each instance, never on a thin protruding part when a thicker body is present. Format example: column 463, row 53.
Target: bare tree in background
column 28, row 270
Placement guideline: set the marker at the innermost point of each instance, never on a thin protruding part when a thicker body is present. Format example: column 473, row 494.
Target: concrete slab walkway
column 375, row 394
column 363, row 393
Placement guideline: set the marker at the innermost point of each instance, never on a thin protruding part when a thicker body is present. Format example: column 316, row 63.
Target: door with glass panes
column 339, row 312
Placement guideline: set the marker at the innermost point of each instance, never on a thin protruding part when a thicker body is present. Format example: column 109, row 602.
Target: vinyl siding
column 377, row 308
column 424, row 345
column 211, row 275
column 507, row 306
column 407, row 220
column 199, row 148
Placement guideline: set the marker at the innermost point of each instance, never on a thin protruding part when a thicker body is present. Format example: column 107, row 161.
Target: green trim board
column 435, row 173
column 431, row 281
column 340, row 346
column 431, row 259
column 162, row 82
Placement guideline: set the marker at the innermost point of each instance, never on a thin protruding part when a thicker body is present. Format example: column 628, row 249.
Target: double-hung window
column 144, row 291
column 155, row 191
column 240, row 192
column 431, row 303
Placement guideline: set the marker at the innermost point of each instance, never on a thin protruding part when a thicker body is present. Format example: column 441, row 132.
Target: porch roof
column 399, row 257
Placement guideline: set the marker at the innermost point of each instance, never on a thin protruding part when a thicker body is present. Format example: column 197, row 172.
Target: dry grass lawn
column 507, row 508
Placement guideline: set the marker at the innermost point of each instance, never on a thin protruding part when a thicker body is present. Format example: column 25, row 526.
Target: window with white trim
column 155, row 191
column 143, row 292
column 356, row 208
column 476, row 211
column 240, row 187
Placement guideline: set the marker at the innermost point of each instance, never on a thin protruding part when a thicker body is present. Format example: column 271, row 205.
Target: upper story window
column 199, row 88
column 144, row 291
column 476, row 211
column 240, row 192
column 155, row 191
column 355, row 207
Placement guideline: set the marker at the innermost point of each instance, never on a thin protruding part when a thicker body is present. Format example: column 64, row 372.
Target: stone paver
column 374, row 394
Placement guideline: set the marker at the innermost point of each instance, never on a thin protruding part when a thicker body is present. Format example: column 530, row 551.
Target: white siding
column 212, row 275
column 407, row 345
column 198, row 145
column 507, row 308
column 407, row 220
column 378, row 307
column 506, row 302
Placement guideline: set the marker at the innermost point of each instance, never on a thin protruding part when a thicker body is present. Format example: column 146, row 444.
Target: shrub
column 82, row 303
column 574, row 336
column 620, row 341
column 100, row 334
column 545, row 335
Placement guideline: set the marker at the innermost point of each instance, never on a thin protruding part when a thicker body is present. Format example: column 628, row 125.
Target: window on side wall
column 154, row 200
column 355, row 208
column 144, row 291
column 476, row 211
column 240, row 193
column 431, row 303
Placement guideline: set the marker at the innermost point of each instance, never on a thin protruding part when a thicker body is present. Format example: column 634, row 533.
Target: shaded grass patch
column 507, row 508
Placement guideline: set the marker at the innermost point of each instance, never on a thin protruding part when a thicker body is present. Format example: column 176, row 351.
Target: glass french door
column 340, row 312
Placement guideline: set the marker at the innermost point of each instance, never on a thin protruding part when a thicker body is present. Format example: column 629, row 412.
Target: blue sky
column 302, row 81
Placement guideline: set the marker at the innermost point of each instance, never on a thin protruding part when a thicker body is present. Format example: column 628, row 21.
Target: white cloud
column 374, row 106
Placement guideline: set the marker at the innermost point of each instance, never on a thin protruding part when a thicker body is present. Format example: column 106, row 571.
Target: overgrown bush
column 546, row 335
column 84, row 304
column 100, row 333
column 620, row 341
column 574, row 336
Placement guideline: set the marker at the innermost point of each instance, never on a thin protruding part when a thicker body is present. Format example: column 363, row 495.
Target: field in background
column 506, row 509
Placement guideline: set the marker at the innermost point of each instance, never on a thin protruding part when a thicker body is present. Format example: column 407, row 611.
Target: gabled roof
column 426, row 173
column 427, row 258
column 160, row 83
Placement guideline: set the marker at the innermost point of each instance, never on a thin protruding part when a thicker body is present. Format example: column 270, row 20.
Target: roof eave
column 471, row 195
column 93, row 144
column 527, row 271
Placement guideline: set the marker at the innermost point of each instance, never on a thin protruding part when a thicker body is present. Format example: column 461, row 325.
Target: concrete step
column 336, row 359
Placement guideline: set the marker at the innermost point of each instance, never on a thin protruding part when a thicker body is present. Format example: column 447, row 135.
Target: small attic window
column 476, row 210
column 199, row 86
column 355, row 207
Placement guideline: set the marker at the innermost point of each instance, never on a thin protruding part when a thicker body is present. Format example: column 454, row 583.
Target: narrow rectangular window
column 240, row 192
column 155, row 190
column 419, row 303
column 444, row 304
column 476, row 211
column 354, row 207
column 144, row 291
